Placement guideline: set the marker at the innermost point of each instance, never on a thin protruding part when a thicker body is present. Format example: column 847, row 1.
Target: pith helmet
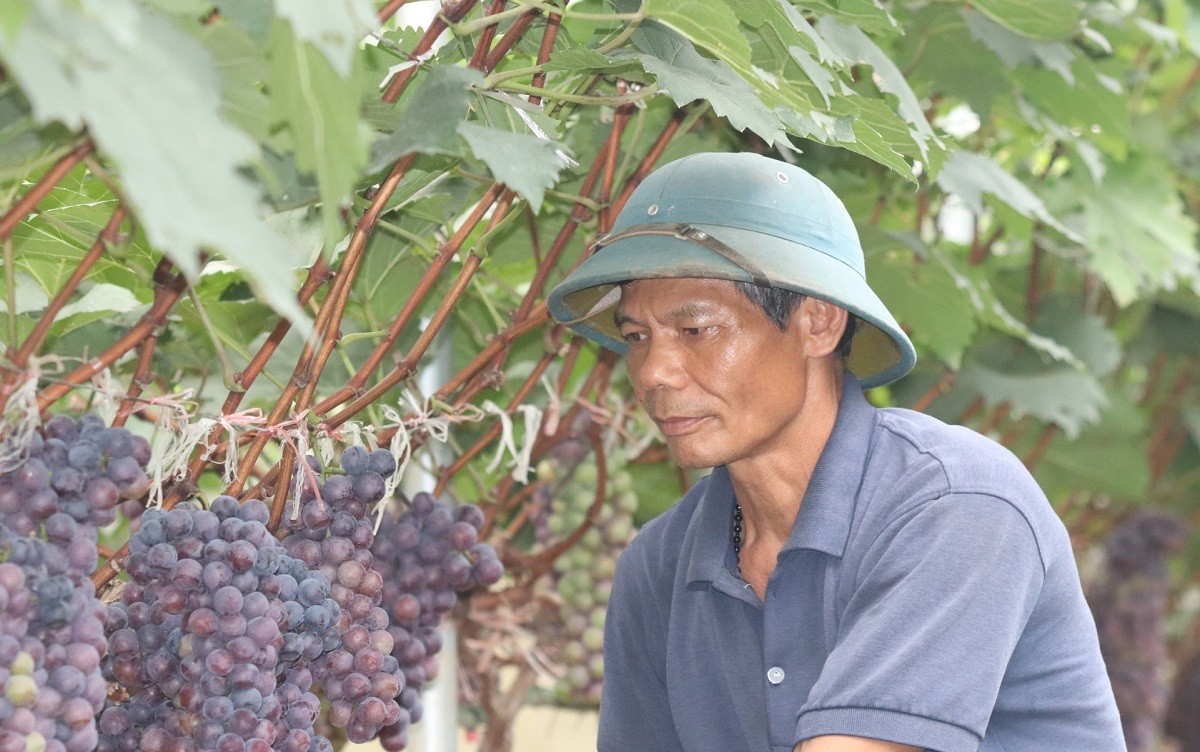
column 740, row 217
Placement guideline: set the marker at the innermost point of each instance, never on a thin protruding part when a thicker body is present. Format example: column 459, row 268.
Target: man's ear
column 823, row 324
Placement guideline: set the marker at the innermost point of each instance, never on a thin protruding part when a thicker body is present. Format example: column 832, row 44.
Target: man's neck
column 770, row 486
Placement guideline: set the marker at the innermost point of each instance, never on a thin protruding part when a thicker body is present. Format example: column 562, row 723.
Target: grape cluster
column 215, row 636
column 1130, row 607
column 582, row 576
column 51, row 642
column 332, row 534
column 52, row 628
column 81, row 468
column 425, row 555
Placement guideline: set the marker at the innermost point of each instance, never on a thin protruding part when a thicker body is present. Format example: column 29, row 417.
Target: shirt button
column 775, row 675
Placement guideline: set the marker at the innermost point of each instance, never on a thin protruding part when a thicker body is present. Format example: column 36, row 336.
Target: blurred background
column 273, row 228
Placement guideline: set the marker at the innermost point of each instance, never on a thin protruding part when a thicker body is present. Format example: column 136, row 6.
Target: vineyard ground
column 538, row 729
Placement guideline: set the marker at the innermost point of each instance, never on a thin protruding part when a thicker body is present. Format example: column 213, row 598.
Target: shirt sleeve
column 923, row 644
column 635, row 715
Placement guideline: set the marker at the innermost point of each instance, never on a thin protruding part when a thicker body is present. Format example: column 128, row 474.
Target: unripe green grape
column 587, row 474
column 583, row 600
column 604, row 567
column 593, row 638
column 576, row 625
column 21, row 690
column 578, row 677
column 547, row 470
column 627, row 502
column 620, row 531
column 581, row 500
column 592, row 540
column 574, row 652
column 596, row 667
column 596, row 617
column 22, row 664
column 557, row 526
column 621, row 481
column 35, row 742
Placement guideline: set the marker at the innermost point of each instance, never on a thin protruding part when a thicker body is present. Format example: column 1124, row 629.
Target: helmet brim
column 881, row 351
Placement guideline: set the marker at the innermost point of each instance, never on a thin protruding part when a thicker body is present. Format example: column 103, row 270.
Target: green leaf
column 855, row 46
column 12, row 15
column 24, row 145
column 1062, row 319
column 1140, row 238
column 868, row 15
column 439, row 103
column 1015, row 49
column 577, row 59
column 241, row 59
column 102, row 298
column 1045, row 20
column 527, row 164
column 149, row 95
column 688, row 76
column 817, row 73
column 252, row 15
column 1067, row 397
column 1103, row 458
column 710, row 24
column 30, row 297
column 923, row 297
column 320, row 108
column 970, row 176
column 334, row 28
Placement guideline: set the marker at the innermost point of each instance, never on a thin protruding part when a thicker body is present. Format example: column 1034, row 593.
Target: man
column 847, row 579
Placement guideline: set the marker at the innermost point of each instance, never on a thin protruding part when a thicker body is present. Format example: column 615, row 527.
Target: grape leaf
column 1067, row 397
column 576, row 59
column 688, row 76
column 76, row 60
column 1015, row 49
column 853, row 45
column 1140, row 238
column 320, row 107
column 1044, row 20
column 439, row 103
column 970, row 176
column 710, row 24
column 335, row 28
column 868, row 15
column 924, row 298
column 102, row 298
column 527, row 164
column 252, row 15
column 1102, row 457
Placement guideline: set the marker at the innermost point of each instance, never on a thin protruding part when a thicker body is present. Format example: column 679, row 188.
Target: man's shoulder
column 957, row 458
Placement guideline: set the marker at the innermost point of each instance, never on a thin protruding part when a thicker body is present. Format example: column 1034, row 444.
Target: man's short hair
column 778, row 304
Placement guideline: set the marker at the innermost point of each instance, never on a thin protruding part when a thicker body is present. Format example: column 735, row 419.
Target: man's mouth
column 674, row 425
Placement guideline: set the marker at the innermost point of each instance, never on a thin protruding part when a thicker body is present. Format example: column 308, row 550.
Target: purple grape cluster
column 1130, row 608
column 81, row 468
column 51, row 643
column 425, row 555
column 215, row 636
column 333, row 534
column 52, row 628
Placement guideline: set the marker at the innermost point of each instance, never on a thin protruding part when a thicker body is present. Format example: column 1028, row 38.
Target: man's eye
column 632, row 336
column 695, row 331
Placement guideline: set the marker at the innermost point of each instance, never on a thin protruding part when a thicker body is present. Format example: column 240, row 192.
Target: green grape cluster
column 582, row 576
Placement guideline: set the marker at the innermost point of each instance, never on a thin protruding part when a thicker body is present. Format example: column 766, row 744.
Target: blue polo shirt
column 927, row 595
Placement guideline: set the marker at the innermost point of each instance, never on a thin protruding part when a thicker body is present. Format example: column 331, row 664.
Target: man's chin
column 690, row 459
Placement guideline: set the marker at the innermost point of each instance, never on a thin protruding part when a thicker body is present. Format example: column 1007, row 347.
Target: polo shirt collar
column 827, row 511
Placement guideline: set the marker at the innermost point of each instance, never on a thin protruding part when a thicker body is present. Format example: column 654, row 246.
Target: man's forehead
column 680, row 296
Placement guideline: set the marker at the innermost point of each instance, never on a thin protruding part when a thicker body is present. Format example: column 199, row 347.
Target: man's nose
column 661, row 366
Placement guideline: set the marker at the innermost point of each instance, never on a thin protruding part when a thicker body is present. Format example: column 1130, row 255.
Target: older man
column 847, row 579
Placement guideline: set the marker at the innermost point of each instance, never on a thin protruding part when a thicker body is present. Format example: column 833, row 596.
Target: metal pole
column 438, row 728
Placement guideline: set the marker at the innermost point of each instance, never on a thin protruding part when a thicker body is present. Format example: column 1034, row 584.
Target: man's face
column 719, row 378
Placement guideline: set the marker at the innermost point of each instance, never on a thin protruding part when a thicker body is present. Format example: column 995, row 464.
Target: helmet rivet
column 652, row 210
column 782, row 178
column 700, row 235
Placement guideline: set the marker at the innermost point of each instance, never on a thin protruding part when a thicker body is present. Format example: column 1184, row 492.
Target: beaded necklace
column 737, row 534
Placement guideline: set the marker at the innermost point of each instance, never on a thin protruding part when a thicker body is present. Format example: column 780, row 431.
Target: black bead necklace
column 737, row 534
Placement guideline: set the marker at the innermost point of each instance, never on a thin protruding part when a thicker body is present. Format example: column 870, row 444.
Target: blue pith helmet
column 740, row 217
